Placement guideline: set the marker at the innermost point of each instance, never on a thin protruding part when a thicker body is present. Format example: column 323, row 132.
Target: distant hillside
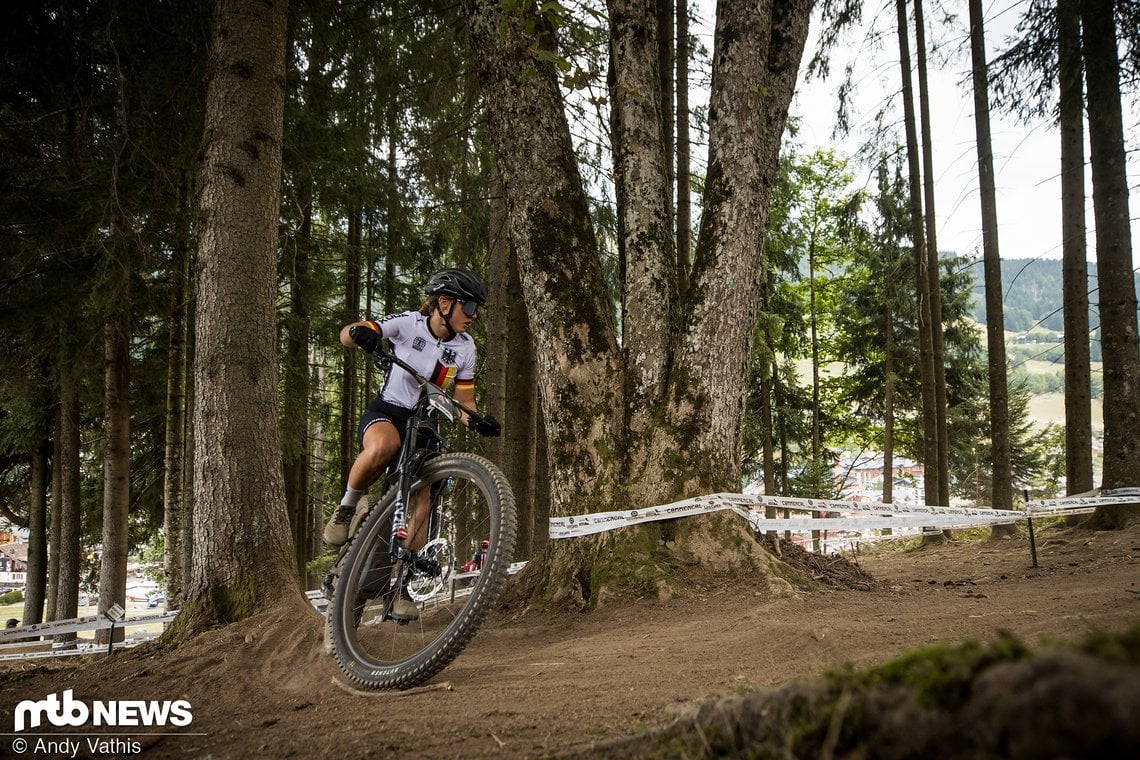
column 1032, row 295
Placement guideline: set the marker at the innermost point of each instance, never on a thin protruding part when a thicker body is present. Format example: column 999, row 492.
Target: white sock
column 351, row 498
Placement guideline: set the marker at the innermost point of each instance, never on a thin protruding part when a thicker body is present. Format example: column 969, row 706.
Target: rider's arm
column 346, row 340
column 464, row 393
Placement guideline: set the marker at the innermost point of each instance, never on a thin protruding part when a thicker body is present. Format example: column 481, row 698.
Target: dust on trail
column 534, row 683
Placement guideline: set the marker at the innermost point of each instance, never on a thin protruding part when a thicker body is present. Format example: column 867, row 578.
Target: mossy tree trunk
column 242, row 556
column 511, row 383
column 657, row 415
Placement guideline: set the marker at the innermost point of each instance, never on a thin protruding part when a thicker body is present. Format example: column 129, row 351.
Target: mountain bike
column 470, row 501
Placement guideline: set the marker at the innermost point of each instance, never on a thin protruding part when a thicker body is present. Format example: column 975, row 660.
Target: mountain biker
column 435, row 342
column 481, row 555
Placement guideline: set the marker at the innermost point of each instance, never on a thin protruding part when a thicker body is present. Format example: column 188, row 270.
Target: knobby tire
column 420, row 654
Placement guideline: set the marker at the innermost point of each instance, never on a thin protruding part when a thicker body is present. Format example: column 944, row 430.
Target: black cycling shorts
column 379, row 410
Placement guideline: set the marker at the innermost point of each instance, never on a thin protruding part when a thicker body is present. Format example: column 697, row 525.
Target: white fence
column 850, row 521
column 34, row 641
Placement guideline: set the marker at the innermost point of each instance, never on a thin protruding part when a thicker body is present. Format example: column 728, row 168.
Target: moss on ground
column 997, row 700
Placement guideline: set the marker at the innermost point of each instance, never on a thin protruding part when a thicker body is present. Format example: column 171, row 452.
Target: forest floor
column 541, row 684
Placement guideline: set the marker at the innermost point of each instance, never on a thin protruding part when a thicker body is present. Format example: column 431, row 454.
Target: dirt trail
column 537, row 685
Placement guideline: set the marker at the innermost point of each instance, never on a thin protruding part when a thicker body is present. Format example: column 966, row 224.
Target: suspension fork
column 421, row 443
column 403, row 487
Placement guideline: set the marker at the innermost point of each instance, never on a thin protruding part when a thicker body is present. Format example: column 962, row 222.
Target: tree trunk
column 757, row 50
column 550, row 228
column 498, row 361
column 684, row 202
column 349, row 388
column 174, row 520
column 512, row 386
column 392, row 235
column 1075, row 282
column 55, row 513
column 645, row 228
column 117, row 451
column 189, row 446
column 933, row 270
column 296, row 457
column 36, row 586
column 694, row 444
column 889, row 400
column 295, row 389
column 767, row 443
column 781, row 425
column 922, row 281
column 242, row 558
column 816, row 435
column 1001, row 486
column 665, row 86
column 1114, row 260
column 70, row 510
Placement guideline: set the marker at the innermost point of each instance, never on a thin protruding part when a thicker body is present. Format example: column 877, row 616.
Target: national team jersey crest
column 441, row 362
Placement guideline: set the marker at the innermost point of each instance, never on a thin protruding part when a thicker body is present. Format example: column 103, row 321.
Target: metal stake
column 1032, row 538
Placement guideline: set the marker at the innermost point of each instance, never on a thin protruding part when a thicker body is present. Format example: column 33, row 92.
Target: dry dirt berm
column 539, row 684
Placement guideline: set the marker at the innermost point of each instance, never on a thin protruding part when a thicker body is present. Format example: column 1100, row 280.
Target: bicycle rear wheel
column 475, row 503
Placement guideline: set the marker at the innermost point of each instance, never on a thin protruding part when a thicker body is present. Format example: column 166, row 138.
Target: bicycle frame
column 422, row 439
column 422, row 442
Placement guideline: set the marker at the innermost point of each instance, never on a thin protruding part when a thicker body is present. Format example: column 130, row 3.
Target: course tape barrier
column 856, row 515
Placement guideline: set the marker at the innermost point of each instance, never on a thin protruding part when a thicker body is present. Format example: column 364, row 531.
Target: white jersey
column 440, row 361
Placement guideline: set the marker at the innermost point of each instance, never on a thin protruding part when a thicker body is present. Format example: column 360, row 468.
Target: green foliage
column 321, row 564
column 152, row 555
column 815, row 481
column 865, row 295
column 1034, row 457
column 12, row 597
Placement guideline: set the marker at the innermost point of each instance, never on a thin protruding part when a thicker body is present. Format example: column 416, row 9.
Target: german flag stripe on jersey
column 442, row 375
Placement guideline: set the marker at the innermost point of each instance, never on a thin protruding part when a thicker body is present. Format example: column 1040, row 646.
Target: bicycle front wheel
column 472, row 503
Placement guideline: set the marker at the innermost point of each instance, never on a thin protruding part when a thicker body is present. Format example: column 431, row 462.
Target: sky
column 1026, row 157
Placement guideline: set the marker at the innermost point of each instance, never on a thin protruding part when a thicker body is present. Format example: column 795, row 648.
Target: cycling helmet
column 457, row 283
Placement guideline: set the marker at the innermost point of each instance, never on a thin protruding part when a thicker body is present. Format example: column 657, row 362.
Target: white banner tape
column 867, row 515
column 1066, row 506
column 599, row 522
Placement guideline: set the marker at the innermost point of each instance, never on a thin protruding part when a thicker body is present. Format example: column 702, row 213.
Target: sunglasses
column 469, row 307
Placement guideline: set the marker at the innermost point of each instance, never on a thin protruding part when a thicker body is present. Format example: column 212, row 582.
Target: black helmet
column 457, row 283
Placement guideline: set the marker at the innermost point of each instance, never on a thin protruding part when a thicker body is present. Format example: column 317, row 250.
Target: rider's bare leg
column 380, row 444
column 381, row 441
column 417, row 523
